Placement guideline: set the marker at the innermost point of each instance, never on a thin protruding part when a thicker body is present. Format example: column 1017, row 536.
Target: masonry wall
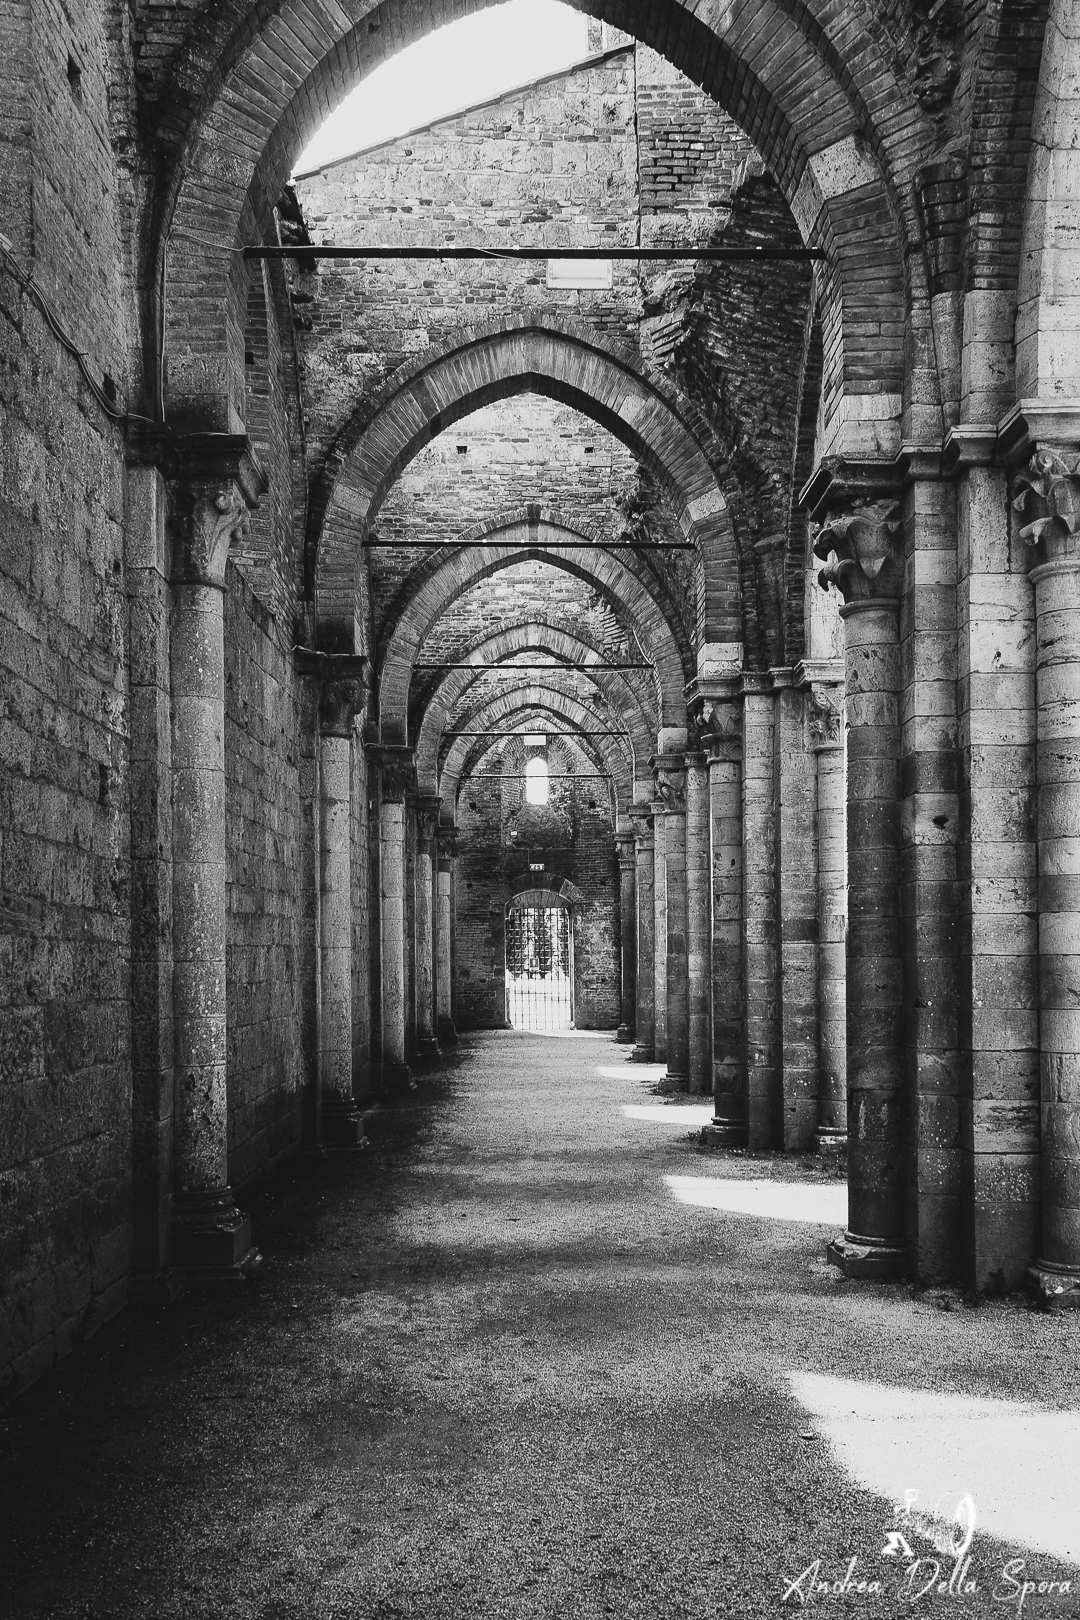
column 65, row 1041
column 499, row 835
column 264, row 986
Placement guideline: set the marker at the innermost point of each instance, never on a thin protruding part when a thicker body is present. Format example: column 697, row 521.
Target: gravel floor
column 496, row 1367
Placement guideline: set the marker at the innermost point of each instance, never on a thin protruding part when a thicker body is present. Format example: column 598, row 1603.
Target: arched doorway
column 539, row 961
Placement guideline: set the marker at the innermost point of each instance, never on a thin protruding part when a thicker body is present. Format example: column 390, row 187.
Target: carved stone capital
column 1048, row 496
column 214, row 483
column 427, row 817
column 340, row 701
column 721, row 723
column 397, row 770
column 626, row 851
column 863, row 552
column 669, row 778
column 642, row 817
column 824, row 718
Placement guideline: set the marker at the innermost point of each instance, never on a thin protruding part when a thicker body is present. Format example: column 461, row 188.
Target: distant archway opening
column 539, row 961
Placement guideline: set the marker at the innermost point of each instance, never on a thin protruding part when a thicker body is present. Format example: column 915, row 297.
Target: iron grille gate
column 539, row 967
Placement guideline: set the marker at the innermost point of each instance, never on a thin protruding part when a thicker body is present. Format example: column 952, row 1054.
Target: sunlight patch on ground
column 1017, row 1462
column 678, row 1114
column 775, row 1200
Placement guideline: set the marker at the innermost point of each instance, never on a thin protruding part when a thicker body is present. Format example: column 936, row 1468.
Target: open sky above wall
column 469, row 61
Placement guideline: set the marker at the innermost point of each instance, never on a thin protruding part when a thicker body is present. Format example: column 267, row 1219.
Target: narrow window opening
column 74, row 73
column 536, row 781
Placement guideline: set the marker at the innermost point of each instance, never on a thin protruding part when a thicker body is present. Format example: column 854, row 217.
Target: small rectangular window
column 594, row 274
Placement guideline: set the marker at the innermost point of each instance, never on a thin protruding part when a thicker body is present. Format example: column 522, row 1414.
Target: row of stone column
column 740, row 909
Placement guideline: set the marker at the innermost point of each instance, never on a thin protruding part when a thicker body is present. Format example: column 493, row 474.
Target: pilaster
column 627, row 857
column 427, row 821
column 645, row 983
column 669, row 776
column 397, row 777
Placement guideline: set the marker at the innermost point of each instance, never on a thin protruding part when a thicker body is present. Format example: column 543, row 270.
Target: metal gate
column 539, row 967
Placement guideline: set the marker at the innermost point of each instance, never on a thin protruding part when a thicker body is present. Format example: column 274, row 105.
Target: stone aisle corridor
column 518, row 1361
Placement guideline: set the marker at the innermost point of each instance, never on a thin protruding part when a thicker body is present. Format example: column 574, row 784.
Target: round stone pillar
column 444, row 929
column 698, row 925
column 825, row 730
column 866, row 570
column 721, row 722
column 669, row 771
column 624, row 846
column 645, row 982
column 427, row 819
column 660, row 923
column 340, row 1123
column 210, row 1239
column 396, row 773
column 1050, row 493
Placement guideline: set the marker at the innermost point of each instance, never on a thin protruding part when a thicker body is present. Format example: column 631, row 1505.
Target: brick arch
column 544, row 884
column 617, row 694
column 522, row 542
column 495, row 530
column 838, row 126
column 446, row 779
column 509, row 358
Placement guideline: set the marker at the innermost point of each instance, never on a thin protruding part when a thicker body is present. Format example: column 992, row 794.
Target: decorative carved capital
column 1049, row 497
column 340, row 701
column 626, row 851
column 427, row 817
column 397, row 770
column 863, row 552
column 824, row 718
column 721, row 724
column 669, row 776
column 203, row 526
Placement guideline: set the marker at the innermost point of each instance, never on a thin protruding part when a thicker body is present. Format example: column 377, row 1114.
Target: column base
column 1053, row 1287
column 832, row 1144
column 642, row 1053
column 448, row 1035
column 723, row 1133
column 673, row 1081
column 624, row 1035
column 866, row 1257
column 150, row 1290
column 211, row 1240
column 342, row 1129
column 397, row 1076
column 427, row 1049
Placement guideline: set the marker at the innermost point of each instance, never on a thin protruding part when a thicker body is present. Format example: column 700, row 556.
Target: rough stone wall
column 493, row 864
column 65, row 1065
column 263, row 809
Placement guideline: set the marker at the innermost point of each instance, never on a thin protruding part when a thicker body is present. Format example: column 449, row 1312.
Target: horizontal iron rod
column 768, row 255
column 550, row 545
column 538, row 733
column 571, row 669
column 552, row 776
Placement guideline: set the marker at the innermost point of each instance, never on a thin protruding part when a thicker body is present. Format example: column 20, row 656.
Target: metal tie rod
column 540, row 731
column 552, row 776
column 569, row 669
column 636, row 255
column 531, row 545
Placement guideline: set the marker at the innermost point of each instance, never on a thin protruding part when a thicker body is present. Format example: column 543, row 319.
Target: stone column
column 444, row 971
column 624, row 846
column 761, row 957
column 427, row 820
column 340, row 1123
column 698, row 925
column 210, row 1238
column 865, row 566
column 719, row 717
column 794, row 793
column 645, row 987
column 1050, row 497
column 396, row 778
column 825, row 738
column 669, row 771
column 660, row 923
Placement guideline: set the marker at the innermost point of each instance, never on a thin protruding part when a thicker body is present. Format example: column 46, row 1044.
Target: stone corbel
column 642, row 817
column 822, row 680
column 716, row 711
column 625, row 849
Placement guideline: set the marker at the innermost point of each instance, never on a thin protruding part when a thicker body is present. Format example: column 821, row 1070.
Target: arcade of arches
column 771, row 562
